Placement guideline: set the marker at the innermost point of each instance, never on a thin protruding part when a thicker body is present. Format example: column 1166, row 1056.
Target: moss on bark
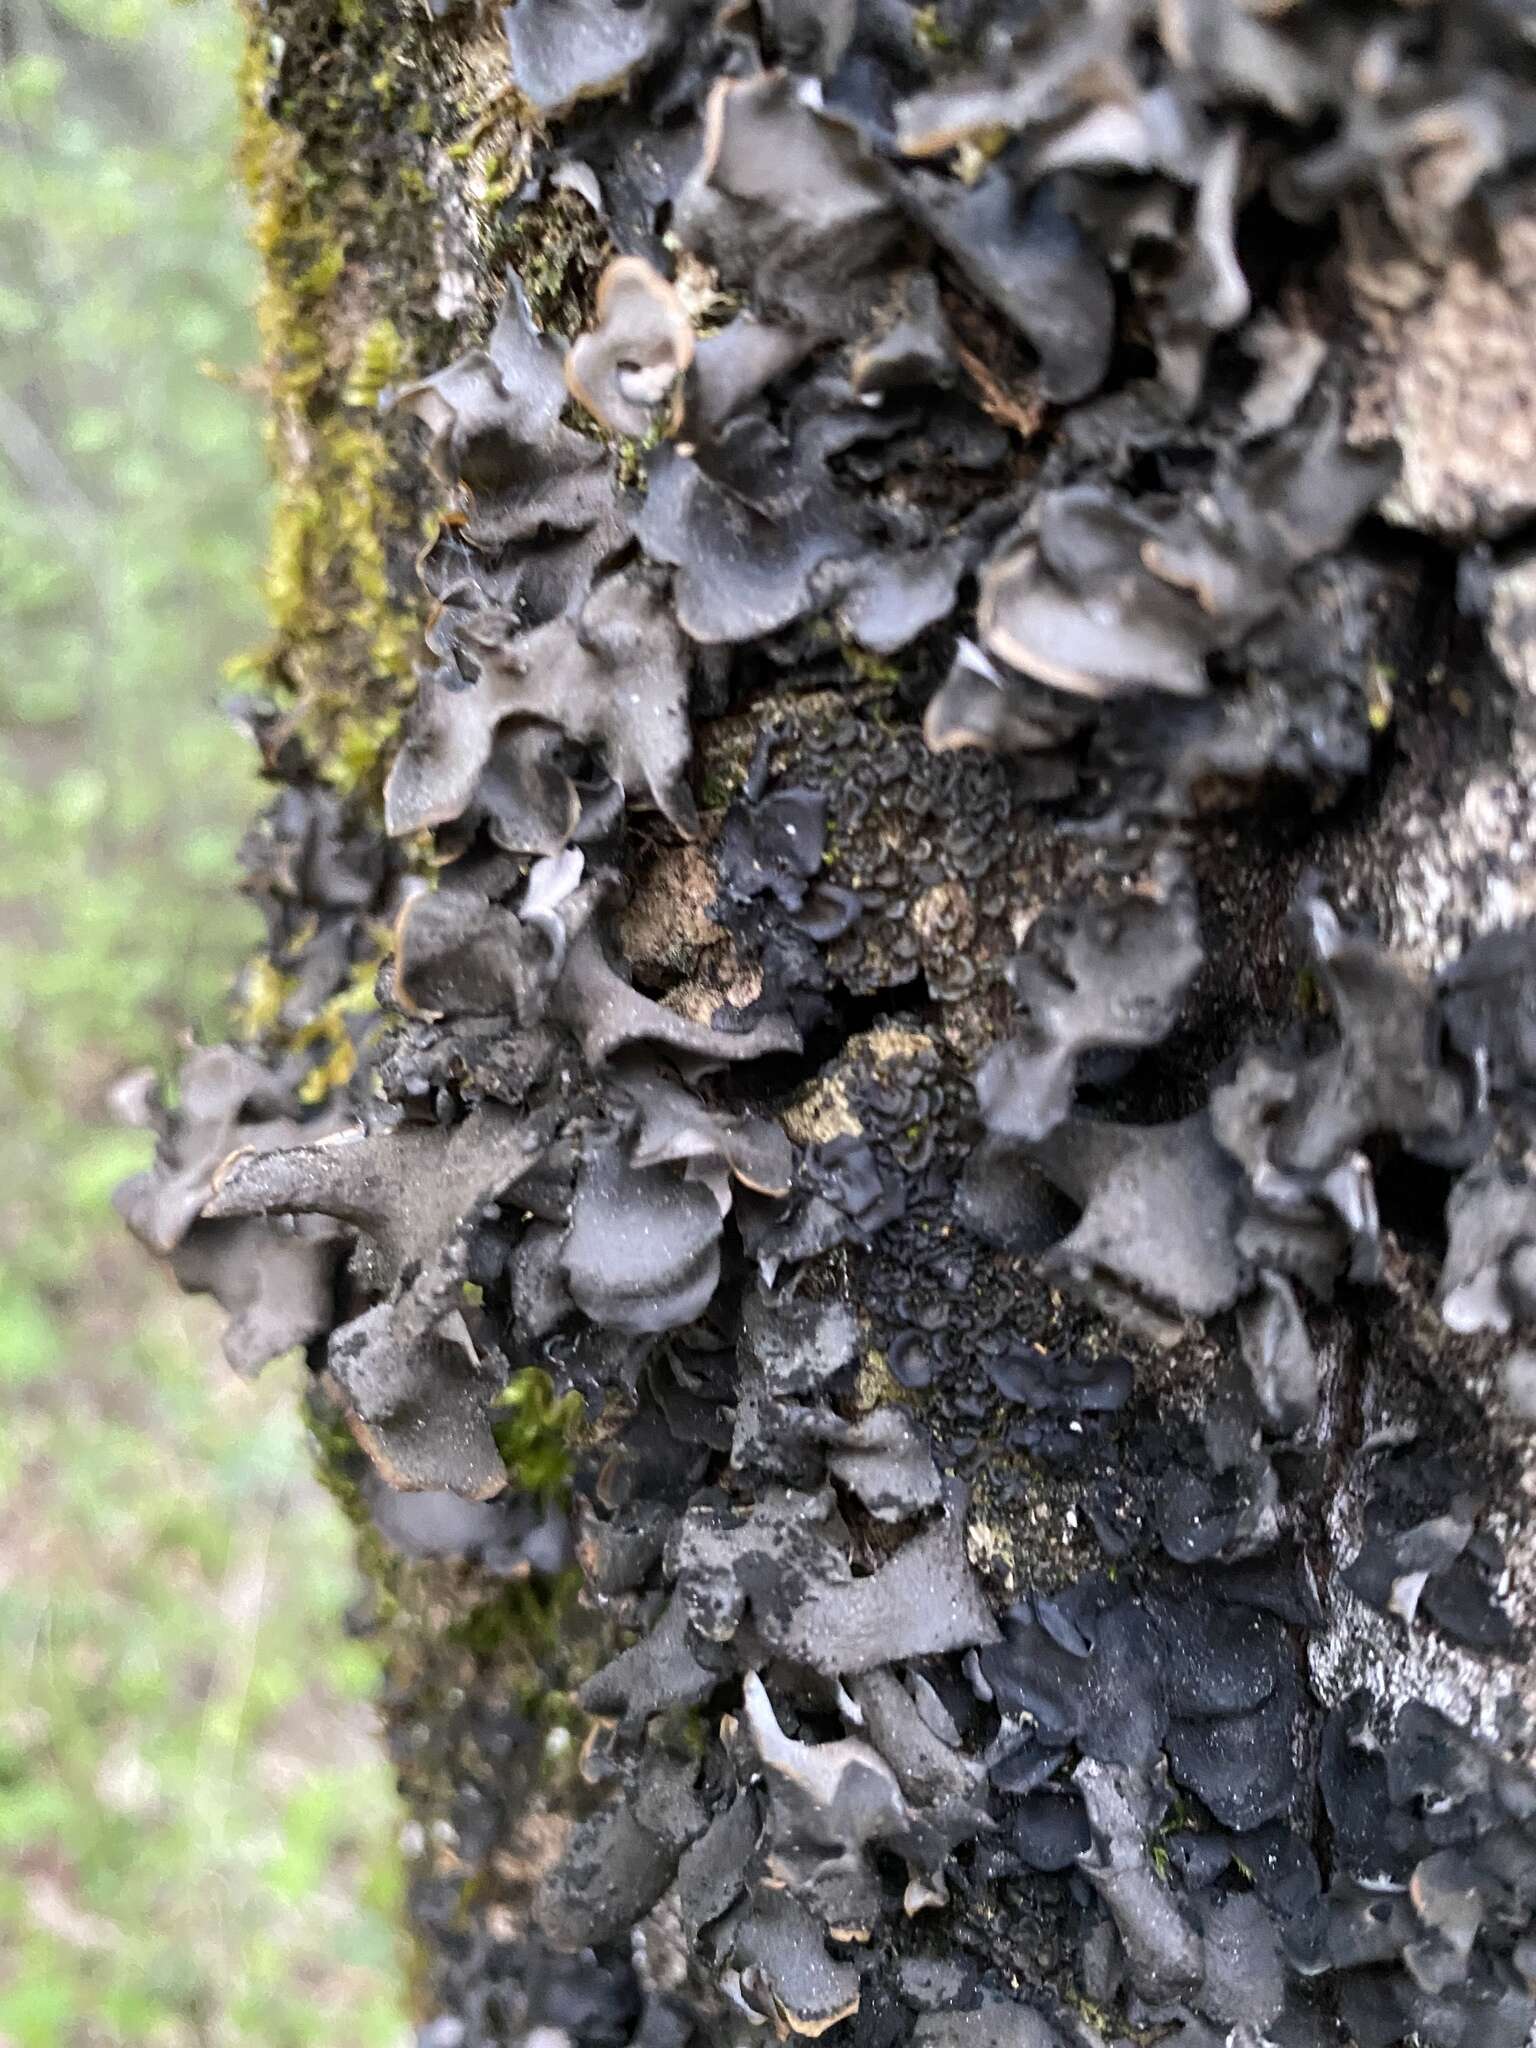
column 380, row 150
column 375, row 151
column 337, row 108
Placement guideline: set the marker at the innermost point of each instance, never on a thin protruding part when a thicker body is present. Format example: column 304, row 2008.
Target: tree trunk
column 900, row 804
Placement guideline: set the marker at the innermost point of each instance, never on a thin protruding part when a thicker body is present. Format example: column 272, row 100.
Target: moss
column 348, row 209
column 264, row 989
column 559, row 249
column 719, row 787
column 931, row 30
column 533, row 1430
column 523, row 1613
column 724, row 750
column 422, row 1606
column 340, row 588
column 340, row 1466
column 333, row 1037
column 711, row 306
column 504, row 112
column 378, row 361
column 874, row 1386
column 349, row 212
column 1023, row 1528
column 870, row 668
column 631, row 459
column 1108, row 2023
column 527, row 1620
column 1379, row 679
column 338, row 1460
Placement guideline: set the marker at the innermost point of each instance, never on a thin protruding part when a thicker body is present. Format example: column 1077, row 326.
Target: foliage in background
column 192, row 1819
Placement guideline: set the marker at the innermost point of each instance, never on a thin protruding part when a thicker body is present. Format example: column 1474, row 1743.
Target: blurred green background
column 195, row 1821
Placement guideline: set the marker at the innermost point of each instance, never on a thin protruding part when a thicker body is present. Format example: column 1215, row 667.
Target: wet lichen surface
column 897, row 1116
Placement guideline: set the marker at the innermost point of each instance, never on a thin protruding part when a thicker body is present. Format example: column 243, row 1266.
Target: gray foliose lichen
column 1030, row 1302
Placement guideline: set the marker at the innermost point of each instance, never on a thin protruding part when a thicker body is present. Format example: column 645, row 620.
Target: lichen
column 1084, row 1229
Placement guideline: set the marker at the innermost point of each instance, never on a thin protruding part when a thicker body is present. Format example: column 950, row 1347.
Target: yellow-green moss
column 346, row 111
column 378, row 361
column 340, row 1465
column 533, row 1429
column 421, row 1603
column 525, row 1613
column 559, row 249
column 1380, row 677
column 332, row 1036
column 258, row 1004
column 343, row 625
column 870, row 668
column 930, row 29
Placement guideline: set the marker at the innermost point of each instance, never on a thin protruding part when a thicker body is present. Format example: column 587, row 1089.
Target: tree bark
column 1078, row 1503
